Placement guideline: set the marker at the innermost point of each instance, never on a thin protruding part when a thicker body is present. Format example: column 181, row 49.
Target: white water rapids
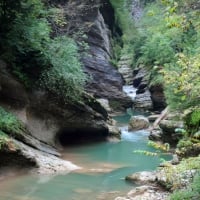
column 130, row 91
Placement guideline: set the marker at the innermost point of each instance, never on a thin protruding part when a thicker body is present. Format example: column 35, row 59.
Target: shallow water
column 104, row 166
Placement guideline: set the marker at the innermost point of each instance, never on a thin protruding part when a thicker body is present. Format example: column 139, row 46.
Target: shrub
column 65, row 76
column 34, row 55
column 192, row 192
column 129, row 31
column 4, row 139
column 10, row 124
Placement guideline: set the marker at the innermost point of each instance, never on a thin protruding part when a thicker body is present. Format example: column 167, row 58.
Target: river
column 103, row 168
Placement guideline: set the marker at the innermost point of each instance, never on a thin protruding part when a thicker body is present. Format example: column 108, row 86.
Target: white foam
column 132, row 135
column 130, row 91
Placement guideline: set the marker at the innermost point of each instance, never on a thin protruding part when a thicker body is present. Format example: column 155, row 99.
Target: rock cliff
column 95, row 20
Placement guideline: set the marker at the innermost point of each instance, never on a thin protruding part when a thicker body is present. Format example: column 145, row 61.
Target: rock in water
column 138, row 123
column 142, row 177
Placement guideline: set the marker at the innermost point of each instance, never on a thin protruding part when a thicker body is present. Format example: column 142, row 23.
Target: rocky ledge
column 158, row 185
column 48, row 123
column 145, row 192
column 22, row 155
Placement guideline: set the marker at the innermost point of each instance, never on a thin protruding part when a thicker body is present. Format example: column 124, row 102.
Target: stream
column 103, row 168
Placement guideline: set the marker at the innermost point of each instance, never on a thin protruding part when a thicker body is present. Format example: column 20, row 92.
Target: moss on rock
column 10, row 125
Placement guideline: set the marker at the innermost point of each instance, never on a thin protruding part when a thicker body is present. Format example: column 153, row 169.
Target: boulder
column 138, row 123
column 169, row 126
column 144, row 177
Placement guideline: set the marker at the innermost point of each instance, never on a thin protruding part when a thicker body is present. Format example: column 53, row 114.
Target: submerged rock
column 138, row 123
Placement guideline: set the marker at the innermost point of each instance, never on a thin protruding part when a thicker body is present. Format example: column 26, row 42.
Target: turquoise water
column 104, row 166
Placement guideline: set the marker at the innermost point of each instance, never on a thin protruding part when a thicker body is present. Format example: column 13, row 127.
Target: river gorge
column 103, row 167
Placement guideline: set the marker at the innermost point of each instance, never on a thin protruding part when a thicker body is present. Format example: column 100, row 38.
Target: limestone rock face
column 138, row 123
column 153, row 95
column 11, row 91
column 143, row 97
column 124, row 68
column 22, row 156
column 143, row 101
column 91, row 18
column 47, row 118
column 140, row 76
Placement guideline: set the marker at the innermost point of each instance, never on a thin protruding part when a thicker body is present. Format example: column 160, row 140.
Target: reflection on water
column 104, row 166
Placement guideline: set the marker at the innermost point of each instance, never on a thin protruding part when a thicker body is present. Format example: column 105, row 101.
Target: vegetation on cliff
column 166, row 41
column 35, row 52
column 10, row 126
column 170, row 34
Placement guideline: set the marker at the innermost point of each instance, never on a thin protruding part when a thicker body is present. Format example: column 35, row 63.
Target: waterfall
column 130, row 91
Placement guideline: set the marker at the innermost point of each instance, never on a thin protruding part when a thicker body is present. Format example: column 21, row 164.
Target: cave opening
column 76, row 136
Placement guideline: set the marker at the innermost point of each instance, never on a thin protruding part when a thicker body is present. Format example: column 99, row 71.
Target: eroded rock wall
column 96, row 25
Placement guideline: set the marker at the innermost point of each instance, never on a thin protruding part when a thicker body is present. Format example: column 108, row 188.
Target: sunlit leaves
column 182, row 80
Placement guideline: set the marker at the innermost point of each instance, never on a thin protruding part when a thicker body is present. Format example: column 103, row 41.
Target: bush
column 9, row 124
column 184, row 143
column 192, row 121
column 34, row 55
column 4, row 140
column 65, row 76
column 129, row 32
column 192, row 192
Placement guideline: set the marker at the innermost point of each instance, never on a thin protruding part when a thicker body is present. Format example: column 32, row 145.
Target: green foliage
column 169, row 31
column 146, row 153
column 129, row 31
column 184, row 143
column 157, row 50
column 65, row 78
column 192, row 121
column 4, row 139
column 160, row 150
column 34, row 55
column 177, row 176
column 192, row 192
column 183, row 82
column 161, row 147
column 10, row 124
